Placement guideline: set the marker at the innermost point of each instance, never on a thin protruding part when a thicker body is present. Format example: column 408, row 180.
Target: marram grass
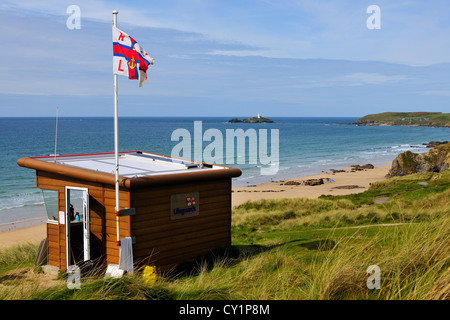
column 413, row 258
column 293, row 249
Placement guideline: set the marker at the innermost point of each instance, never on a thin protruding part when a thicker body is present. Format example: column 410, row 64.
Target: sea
column 295, row 146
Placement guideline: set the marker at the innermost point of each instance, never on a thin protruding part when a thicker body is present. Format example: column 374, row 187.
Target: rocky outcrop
column 292, row 183
column 433, row 144
column 434, row 160
column 357, row 167
column 313, row 182
column 337, row 170
column 309, row 182
column 252, row 120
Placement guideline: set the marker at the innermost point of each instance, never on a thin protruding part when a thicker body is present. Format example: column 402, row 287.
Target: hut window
column 51, row 203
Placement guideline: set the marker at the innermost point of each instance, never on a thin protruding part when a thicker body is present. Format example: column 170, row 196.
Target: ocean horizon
column 307, row 145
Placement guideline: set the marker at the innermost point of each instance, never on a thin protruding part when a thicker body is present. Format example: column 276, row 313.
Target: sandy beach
column 22, row 229
column 33, row 234
column 339, row 183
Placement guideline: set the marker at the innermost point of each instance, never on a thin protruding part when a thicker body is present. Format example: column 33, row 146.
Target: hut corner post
column 116, row 139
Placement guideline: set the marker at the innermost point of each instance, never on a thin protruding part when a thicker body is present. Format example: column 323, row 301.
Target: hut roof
column 136, row 168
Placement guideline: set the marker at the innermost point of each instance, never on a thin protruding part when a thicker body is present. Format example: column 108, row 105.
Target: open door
column 77, row 226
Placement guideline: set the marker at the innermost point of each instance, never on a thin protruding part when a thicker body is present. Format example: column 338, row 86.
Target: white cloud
column 412, row 32
column 348, row 80
column 359, row 79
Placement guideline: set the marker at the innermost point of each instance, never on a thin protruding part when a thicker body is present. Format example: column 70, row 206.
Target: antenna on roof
column 56, row 131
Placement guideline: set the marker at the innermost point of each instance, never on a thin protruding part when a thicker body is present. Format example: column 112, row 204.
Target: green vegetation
column 437, row 119
column 443, row 147
column 15, row 257
column 302, row 249
column 421, row 186
column 252, row 120
column 257, row 120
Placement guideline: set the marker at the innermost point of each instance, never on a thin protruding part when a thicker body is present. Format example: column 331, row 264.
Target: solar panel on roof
column 135, row 164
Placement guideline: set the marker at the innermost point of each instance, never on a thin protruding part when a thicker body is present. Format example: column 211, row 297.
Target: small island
column 257, row 119
column 417, row 119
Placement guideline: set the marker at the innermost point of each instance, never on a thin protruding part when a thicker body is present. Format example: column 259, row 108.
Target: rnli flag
column 129, row 58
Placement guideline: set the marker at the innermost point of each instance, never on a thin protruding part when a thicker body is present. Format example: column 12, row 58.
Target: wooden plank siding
column 102, row 217
column 160, row 241
column 165, row 242
column 53, row 245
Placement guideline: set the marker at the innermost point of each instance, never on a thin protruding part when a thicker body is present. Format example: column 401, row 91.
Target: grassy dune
column 299, row 249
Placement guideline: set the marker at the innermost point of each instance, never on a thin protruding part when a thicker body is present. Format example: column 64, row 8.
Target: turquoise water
column 306, row 146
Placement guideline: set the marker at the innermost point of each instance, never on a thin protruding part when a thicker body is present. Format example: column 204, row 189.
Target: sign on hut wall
column 184, row 205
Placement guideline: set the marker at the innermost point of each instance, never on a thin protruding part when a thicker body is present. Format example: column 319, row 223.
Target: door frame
column 86, row 224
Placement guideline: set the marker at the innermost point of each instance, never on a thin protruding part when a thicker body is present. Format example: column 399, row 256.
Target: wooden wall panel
column 167, row 242
column 53, row 244
column 168, row 259
column 159, row 239
column 102, row 215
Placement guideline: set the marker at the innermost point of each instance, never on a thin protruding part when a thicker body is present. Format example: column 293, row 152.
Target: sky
column 227, row 58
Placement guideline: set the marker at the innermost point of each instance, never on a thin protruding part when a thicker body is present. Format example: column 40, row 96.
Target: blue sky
column 228, row 58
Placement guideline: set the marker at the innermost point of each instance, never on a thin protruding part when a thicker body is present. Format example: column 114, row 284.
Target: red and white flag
column 129, row 58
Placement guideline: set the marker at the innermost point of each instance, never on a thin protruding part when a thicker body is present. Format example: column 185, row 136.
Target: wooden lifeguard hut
column 173, row 210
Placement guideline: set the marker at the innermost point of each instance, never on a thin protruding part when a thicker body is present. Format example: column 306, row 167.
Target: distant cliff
column 422, row 119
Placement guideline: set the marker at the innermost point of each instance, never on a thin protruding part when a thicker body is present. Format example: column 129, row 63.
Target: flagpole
column 116, row 139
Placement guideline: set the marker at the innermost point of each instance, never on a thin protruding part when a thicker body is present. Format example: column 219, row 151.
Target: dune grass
column 18, row 256
column 290, row 249
column 416, row 197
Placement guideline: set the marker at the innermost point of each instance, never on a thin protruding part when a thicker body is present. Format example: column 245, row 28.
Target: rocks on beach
column 336, row 171
column 309, row 182
column 433, row 144
column 355, row 167
column 319, row 181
